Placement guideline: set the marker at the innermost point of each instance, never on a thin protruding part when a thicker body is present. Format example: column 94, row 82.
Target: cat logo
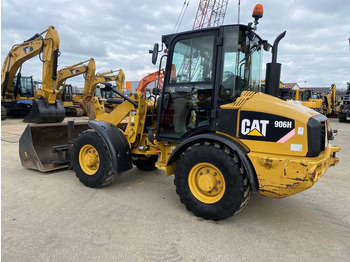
column 28, row 49
column 74, row 71
column 254, row 127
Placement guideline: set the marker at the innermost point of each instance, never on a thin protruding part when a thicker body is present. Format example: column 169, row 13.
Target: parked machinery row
column 45, row 105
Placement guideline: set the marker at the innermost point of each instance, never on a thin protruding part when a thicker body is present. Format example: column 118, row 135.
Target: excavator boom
column 91, row 81
column 45, row 107
column 14, row 60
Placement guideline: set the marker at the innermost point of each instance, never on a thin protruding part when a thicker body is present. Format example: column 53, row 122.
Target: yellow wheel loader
column 45, row 107
column 211, row 128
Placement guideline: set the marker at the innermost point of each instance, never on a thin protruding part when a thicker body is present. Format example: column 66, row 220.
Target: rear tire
column 3, row 113
column 145, row 163
column 342, row 118
column 211, row 181
column 91, row 160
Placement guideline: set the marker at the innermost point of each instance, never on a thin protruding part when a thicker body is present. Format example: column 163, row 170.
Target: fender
column 117, row 144
column 233, row 145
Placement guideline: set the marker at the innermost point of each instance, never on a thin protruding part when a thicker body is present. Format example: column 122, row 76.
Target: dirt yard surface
column 53, row 217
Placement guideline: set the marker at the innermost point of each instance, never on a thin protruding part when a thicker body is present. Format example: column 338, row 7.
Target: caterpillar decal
column 265, row 127
column 28, row 49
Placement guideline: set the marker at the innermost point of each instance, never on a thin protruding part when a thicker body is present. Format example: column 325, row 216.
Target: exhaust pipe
column 273, row 70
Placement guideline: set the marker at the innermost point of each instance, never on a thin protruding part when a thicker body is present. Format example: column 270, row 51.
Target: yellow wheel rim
column 89, row 159
column 206, row 183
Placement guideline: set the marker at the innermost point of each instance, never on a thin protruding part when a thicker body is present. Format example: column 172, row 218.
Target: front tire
column 211, row 181
column 91, row 160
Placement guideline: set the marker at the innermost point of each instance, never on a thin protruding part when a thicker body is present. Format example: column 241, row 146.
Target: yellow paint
column 280, row 176
column 89, row 159
column 206, row 183
column 254, row 133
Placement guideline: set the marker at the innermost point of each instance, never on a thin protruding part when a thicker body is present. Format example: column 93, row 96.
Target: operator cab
column 25, row 86
column 106, row 91
column 208, row 68
column 66, row 93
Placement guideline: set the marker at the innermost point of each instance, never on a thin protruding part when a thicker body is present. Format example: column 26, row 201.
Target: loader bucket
column 47, row 147
column 43, row 112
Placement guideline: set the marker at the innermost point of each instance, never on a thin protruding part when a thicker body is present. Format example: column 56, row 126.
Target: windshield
column 25, row 86
column 305, row 95
column 241, row 63
column 192, row 60
column 316, row 95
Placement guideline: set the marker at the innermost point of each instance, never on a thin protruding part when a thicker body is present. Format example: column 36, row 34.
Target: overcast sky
column 118, row 34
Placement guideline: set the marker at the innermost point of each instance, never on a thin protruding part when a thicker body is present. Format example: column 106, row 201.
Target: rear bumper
column 280, row 176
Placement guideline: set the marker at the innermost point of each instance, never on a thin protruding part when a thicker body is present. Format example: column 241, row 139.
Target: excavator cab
column 65, row 93
column 25, row 86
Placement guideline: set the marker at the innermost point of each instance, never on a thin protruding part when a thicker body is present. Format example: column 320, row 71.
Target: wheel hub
column 206, row 183
column 89, row 159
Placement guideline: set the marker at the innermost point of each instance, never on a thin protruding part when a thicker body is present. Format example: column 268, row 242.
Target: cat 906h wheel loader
column 211, row 128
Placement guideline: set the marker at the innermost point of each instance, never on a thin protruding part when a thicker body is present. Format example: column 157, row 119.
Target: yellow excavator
column 311, row 99
column 330, row 105
column 45, row 107
column 65, row 94
column 101, row 79
column 20, row 103
column 211, row 127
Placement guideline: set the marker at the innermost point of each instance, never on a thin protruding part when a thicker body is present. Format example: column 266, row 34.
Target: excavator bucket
column 43, row 112
column 47, row 147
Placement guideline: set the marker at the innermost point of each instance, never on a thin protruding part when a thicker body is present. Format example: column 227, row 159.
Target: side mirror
column 154, row 53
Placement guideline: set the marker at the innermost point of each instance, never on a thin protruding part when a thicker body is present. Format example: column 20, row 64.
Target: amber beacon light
column 258, row 12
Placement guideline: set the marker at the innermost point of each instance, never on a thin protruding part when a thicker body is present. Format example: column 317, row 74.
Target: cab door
column 188, row 90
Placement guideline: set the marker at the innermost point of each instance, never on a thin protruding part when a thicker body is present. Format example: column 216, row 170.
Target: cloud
column 118, row 34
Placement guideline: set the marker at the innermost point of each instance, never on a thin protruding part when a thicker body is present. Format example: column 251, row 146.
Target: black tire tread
column 105, row 175
column 342, row 119
column 228, row 205
column 3, row 113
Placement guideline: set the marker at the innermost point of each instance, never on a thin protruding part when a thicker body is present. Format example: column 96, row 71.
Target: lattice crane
column 210, row 13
